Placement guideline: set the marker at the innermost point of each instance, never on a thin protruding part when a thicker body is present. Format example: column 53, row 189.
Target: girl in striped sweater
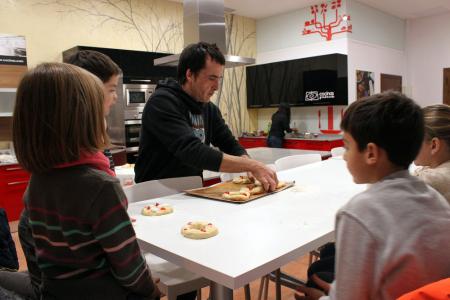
column 85, row 244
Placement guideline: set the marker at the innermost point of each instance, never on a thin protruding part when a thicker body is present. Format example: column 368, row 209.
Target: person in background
column 393, row 237
column 280, row 123
column 84, row 241
column 108, row 71
column 179, row 123
column 434, row 156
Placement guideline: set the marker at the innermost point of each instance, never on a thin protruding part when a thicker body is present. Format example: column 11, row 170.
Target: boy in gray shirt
column 392, row 238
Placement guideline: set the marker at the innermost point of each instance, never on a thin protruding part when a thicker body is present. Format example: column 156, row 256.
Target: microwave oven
column 135, row 96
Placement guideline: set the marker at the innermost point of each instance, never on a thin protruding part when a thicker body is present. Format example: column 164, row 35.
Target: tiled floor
column 296, row 268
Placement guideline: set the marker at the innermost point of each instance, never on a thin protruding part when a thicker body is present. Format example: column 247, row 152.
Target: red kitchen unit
column 320, row 145
column 253, row 142
column 13, row 182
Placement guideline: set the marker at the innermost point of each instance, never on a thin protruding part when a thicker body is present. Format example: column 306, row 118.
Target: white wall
column 428, row 52
column 378, row 59
column 377, row 44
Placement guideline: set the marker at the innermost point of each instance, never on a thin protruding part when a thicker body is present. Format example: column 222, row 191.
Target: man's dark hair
column 390, row 120
column 95, row 62
column 194, row 58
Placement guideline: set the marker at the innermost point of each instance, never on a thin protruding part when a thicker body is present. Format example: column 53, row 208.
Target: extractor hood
column 204, row 20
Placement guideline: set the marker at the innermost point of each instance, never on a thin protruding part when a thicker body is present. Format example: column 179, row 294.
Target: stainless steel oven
column 136, row 95
column 132, row 136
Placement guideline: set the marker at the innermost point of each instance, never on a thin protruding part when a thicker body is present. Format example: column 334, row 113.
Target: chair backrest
column 338, row 151
column 293, row 161
column 160, row 188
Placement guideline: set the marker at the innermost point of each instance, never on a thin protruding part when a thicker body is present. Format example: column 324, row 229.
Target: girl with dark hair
column 280, row 124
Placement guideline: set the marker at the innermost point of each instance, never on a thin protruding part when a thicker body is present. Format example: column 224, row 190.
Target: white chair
column 160, row 188
column 338, row 151
column 289, row 162
column 174, row 280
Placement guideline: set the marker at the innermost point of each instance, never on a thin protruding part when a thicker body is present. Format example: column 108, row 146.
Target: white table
column 254, row 238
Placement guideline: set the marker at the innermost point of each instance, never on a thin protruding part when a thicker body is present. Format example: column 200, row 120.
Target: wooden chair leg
column 261, row 286
column 266, row 288
column 247, row 292
column 199, row 294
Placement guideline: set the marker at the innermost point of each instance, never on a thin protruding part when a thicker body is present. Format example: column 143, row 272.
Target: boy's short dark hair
column 194, row 56
column 390, row 120
column 95, row 62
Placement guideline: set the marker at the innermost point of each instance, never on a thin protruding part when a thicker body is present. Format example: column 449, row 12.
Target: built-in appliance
column 136, row 93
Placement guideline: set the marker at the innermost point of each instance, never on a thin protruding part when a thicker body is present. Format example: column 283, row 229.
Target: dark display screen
column 312, row 81
column 136, row 96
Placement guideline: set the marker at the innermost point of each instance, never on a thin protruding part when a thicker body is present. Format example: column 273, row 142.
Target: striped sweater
column 82, row 232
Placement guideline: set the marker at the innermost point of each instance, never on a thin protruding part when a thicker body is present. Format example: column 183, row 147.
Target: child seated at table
column 84, row 241
column 393, row 237
column 434, row 155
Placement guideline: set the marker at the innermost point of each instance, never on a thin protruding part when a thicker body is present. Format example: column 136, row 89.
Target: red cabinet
column 319, row 145
column 250, row 142
column 13, row 182
column 303, row 144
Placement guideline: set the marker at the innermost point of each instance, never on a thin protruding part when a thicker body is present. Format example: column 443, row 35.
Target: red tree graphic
column 324, row 29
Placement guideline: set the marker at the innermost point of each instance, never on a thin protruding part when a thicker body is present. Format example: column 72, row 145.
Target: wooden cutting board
column 215, row 192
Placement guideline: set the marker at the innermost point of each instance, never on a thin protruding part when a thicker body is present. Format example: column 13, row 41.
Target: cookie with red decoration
column 241, row 195
column 199, row 230
column 157, row 209
column 242, row 180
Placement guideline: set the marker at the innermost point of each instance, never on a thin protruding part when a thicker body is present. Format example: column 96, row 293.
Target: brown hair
column 95, row 62
column 58, row 115
column 437, row 122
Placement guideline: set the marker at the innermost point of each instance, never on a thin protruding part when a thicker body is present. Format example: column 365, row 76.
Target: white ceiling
column 405, row 9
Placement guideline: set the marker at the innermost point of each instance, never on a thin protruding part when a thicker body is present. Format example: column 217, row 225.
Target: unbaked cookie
column 242, row 180
column 157, row 209
column 281, row 184
column 241, row 195
column 199, row 230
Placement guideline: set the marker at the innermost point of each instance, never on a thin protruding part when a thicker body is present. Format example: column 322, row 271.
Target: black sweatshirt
column 169, row 146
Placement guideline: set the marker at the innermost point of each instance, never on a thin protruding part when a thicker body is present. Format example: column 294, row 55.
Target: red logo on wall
column 340, row 24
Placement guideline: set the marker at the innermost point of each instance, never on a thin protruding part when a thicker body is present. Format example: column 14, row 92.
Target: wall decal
column 340, row 24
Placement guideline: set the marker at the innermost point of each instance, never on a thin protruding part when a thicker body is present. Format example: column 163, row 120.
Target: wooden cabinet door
column 391, row 82
column 446, row 96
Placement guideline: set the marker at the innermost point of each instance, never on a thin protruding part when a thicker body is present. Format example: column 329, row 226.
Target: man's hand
column 265, row 175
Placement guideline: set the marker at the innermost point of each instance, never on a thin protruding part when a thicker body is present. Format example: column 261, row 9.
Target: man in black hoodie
column 179, row 124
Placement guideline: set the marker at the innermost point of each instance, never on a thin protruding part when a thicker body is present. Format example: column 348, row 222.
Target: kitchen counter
column 320, row 137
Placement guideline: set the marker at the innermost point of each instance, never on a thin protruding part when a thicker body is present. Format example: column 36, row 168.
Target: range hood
column 204, row 20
